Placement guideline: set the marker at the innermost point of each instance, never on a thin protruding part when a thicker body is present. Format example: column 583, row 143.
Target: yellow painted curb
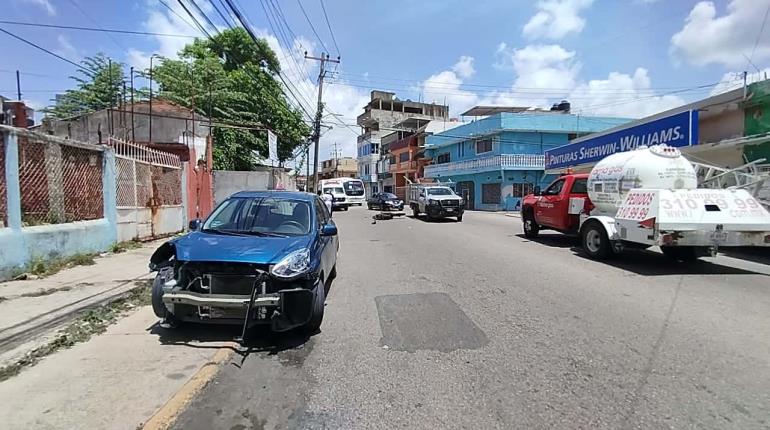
column 164, row 417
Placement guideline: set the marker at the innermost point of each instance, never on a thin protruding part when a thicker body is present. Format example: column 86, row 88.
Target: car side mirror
column 329, row 229
column 195, row 224
column 537, row 191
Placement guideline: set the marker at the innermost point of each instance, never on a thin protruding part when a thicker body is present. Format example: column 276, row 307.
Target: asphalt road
column 470, row 325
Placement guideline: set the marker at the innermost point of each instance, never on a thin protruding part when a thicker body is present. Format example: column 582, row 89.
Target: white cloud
column 464, row 67
column 727, row 39
column 556, row 19
column 445, row 87
column 621, row 95
column 734, row 80
column 45, row 4
column 161, row 20
column 66, row 49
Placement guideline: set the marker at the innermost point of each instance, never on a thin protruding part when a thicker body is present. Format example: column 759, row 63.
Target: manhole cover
column 411, row 322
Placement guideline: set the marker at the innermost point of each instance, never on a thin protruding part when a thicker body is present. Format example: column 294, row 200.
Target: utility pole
column 336, row 161
column 18, row 86
column 324, row 58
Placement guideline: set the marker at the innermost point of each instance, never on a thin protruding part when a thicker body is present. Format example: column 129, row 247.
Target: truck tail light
column 648, row 223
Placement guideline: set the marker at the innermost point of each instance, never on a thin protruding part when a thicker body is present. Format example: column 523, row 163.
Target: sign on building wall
column 676, row 130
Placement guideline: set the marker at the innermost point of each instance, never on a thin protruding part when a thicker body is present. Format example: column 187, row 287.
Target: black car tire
column 595, row 241
column 460, row 218
column 369, row 206
column 317, row 316
column 157, row 298
column 344, row 208
column 415, row 211
column 531, row 229
column 333, row 273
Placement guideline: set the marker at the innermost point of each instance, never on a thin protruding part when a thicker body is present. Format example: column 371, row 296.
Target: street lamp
column 150, row 131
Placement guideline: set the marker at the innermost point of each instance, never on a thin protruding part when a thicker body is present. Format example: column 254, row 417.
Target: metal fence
column 145, row 177
column 60, row 181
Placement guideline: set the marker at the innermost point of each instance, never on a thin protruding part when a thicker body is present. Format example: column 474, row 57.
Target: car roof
column 291, row 195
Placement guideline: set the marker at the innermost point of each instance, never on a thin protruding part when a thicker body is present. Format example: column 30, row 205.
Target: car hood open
column 200, row 246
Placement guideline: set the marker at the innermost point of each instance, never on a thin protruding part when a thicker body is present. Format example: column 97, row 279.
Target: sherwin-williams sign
column 675, row 130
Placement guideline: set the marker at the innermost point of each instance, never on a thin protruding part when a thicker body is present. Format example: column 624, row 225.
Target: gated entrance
column 466, row 190
column 149, row 191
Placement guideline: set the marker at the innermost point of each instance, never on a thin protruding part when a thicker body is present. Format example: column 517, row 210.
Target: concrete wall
column 142, row 223
column 20, row 245
column 227, row 183
column 117, row 122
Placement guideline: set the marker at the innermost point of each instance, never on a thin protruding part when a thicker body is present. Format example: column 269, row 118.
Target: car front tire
column 531, row 229
column 317, row 316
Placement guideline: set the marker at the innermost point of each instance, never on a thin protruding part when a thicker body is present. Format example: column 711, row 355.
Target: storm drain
column 411, row 322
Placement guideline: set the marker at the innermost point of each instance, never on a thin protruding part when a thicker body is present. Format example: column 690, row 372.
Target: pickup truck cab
column 550, row 209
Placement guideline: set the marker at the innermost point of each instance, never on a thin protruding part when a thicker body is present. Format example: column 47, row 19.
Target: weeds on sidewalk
column 47, row 267
column 119, row 247
column 89, row 323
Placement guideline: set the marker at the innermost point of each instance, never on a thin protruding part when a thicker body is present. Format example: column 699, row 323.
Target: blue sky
column 608, row 57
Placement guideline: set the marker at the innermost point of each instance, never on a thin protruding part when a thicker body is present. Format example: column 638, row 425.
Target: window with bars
column 443, row 158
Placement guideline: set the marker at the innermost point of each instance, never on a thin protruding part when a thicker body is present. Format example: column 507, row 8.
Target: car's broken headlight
column 293, row 265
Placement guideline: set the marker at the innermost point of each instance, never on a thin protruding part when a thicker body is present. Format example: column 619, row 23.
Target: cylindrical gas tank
column 658, row 166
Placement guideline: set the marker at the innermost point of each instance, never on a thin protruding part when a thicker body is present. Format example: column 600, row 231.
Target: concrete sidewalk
column 31, row 311
column 116, row 380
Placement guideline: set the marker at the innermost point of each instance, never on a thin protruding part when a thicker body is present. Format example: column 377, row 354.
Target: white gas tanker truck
column 643, row 198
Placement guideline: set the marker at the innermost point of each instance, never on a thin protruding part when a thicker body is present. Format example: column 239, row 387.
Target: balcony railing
column 406, row 165
column 496, row 162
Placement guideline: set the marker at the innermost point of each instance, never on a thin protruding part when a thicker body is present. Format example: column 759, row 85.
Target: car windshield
column 259, row 216
column 440, row 192
column 388, row 196
column 354, row 188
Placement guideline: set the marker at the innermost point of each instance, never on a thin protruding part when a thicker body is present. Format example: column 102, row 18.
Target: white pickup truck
column 435, row 201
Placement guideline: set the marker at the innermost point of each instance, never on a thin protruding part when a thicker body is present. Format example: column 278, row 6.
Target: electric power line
column 253, row 36
column 177, row 14
column 79, row 66
column 221, row 15
column 312, row 27
column 201, row 28
column 330, row 27
column 102, row 30
column 82, row 12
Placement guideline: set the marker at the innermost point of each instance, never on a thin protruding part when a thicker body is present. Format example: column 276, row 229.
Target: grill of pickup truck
column 450, row 203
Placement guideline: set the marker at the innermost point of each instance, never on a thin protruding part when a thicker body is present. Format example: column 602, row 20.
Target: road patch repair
column 430, row 321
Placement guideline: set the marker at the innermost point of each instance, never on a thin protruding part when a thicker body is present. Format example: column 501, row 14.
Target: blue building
column 497, row 160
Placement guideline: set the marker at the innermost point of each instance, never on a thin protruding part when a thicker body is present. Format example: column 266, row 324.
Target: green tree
column 98, row 88
column 232, row 79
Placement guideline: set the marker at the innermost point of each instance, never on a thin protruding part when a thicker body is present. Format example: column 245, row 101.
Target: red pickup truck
column 549, row 210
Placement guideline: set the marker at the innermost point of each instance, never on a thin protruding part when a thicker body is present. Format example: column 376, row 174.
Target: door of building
column 465, row 190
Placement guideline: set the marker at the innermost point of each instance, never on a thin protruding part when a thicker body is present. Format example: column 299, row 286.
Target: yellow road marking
column 164, row 417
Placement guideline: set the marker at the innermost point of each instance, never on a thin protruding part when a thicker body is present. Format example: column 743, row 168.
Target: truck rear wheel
column 595, row 241
column 415, row 211
column 531, row 229
column 683, row 253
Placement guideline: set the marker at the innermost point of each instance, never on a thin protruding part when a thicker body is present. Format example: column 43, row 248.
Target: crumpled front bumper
column 283, row 310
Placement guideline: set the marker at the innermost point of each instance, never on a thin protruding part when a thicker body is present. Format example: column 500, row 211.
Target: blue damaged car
column 260, row 257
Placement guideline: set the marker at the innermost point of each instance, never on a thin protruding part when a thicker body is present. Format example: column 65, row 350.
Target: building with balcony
column 498, row 159
column 405, row 151
column 343, row 167
column 379, row 118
